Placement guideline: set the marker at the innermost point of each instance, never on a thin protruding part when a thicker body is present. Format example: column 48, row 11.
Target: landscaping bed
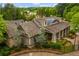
column 60, row 47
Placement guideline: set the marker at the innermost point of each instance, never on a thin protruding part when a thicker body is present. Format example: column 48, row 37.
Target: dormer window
column 50, row 21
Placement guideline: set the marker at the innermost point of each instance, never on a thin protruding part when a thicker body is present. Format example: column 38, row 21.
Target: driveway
column 75, row 53
column 37, row 52
column 75, row 41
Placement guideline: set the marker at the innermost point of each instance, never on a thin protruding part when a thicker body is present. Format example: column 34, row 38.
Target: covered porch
column 54, row 36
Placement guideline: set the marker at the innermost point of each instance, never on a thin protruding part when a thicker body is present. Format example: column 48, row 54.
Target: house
column 23, row 33
column 55, row 27
column 31, row 30
column 58, row 31
column 12, row 31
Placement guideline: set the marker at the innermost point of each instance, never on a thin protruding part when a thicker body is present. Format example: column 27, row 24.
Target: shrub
column 40, row 40
column 72, row 34
column 66, row 49
column 17, row 49
column 56, row 45
column 63, row 45
column 2, row 29
column 37, row 45
column 46, row 46
column 5, row 51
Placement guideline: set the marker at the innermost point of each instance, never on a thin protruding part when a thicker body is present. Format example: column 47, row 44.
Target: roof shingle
column 57, row 27
column 30, row 28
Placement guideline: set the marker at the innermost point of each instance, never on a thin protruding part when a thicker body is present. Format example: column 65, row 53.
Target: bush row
column 62, row 45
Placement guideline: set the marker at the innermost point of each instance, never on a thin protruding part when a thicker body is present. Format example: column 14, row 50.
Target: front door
column 49, row 36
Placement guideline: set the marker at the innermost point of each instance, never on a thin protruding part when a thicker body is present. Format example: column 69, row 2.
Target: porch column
column 59, row 36
column 62, row 33
column 29, row 43
column 66, row 31
column 54, row 37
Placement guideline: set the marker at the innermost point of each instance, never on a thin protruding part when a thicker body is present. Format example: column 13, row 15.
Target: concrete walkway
column 37, row 52
column 75, row 53
column 74, row 41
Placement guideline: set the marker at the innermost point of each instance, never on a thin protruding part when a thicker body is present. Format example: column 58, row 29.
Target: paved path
column 75, row 53
column 44, row 53
column 75, row 41
column 37, row 52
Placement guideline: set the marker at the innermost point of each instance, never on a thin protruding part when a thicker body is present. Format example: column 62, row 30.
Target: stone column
column 59, row 36
column 65, row 32
column 68, row 30
column 62, row 33
column 29, row 43
column 54, row 38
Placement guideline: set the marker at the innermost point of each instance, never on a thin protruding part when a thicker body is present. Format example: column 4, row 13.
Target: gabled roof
column 39, row 22
column 57, row 27
column 30, row 28
column 46, row 21
column 12, row 27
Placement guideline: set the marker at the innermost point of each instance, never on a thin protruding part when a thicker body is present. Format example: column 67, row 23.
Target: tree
column 0, row 8
column 28, row 15
column 41, row 39
column 70, row 12
column 60, row 9
column 10, row 12
column 2, row 29
column 75, row 22
column 41, row 12
column 68, row 16
column 69, row 7
column 49, row 11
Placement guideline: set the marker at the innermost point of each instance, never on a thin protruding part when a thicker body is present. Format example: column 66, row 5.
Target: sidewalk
column 75, row 53
column 37, row 52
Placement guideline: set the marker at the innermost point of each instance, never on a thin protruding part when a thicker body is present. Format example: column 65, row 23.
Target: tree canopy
column 64, row 10
column 2, row 29
column 70, row 12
